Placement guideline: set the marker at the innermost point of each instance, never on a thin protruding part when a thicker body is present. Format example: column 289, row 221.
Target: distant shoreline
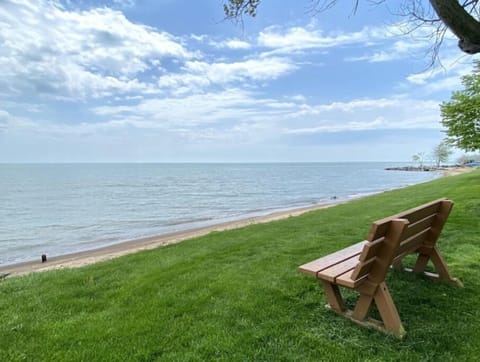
column 446, row 170
column 87, row 257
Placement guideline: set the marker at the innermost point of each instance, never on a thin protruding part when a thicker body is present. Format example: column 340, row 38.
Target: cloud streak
column 199, row 75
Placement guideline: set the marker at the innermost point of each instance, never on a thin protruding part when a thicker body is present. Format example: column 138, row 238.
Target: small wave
column 187, row 221
column 100, row 241
column 362, row 194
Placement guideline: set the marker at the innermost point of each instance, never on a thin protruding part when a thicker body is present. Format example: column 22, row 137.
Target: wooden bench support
column 390, row 323
column 363, row 266
column 388, row 311
column 334, row 296
column 441, row 268
column 381, row 298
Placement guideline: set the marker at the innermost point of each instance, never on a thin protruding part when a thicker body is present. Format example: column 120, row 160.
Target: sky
column 172, row 81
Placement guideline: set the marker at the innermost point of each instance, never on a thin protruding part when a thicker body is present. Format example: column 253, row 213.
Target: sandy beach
column 87, row 257
column 452, row 171
column 83, row 258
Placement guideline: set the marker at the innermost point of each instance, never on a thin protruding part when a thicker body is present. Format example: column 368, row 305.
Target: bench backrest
column 394, row 237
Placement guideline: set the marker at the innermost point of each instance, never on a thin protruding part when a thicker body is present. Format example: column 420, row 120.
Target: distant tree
column 441, row 153
column 461, row 115
column 463, row 159
column 461, row 17
column 419, row 158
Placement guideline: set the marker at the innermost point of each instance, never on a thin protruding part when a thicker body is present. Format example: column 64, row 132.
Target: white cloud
column 444, row 84
column 47, row 49
column 378, row 123
column 299, row 98
column 200, row 38
column 237, row 44
column 232, row 108
column 124, row 3
column 358, row 104
column 294, row 39
column 197, row 75
column 400, row 41
column 232, row 44
column 232, row 105
column 366, row 114
column 254, row 69
column 396, row 50
column 236, row 116
column 444, row 78
column 230, row 116
column 382, row 43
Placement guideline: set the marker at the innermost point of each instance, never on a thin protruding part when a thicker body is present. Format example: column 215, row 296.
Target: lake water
column 63, row 208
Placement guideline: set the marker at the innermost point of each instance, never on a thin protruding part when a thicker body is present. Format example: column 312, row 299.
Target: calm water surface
column 62, row 208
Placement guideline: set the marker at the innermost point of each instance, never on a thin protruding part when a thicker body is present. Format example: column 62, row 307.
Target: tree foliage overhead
column 236, row 8
column 461, row 115
column 461, row 17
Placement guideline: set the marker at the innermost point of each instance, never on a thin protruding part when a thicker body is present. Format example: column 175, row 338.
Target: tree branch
column 460, row 22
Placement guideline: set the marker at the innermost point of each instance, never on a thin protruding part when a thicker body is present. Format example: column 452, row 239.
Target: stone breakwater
column 414, row 168
column 445, row 170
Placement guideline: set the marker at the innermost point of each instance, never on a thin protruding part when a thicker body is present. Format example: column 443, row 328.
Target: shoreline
column 87, row 257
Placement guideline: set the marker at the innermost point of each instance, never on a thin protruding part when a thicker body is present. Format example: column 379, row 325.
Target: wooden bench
column 363, row 266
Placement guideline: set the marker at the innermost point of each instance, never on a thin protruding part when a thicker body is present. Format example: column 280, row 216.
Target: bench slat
column 420, row 212
column 412, row 243
column 379, row 227
column 346, row 280
column 371, row 249
column 420, row 225
column 334, row 271
column 378, row 230
column 417, row 213
column 313, row 267
column 363, row 268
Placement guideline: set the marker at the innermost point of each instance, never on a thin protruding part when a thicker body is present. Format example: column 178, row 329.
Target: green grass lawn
column 237, row 295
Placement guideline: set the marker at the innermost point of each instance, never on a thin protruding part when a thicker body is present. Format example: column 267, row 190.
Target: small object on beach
column 334, row 197
column 44, row 258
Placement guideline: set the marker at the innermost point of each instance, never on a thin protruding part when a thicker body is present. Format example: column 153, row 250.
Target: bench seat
column 318, row 265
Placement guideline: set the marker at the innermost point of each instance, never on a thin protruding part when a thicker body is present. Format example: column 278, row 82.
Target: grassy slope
column 237, row 295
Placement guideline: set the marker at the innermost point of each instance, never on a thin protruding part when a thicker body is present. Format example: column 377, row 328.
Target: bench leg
column 388, row 311
column 442, row 269
column 390, row 320
column 334, row 297
column 421, row 263
column 398, row 265
column 440, row 266
column 363, row 307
